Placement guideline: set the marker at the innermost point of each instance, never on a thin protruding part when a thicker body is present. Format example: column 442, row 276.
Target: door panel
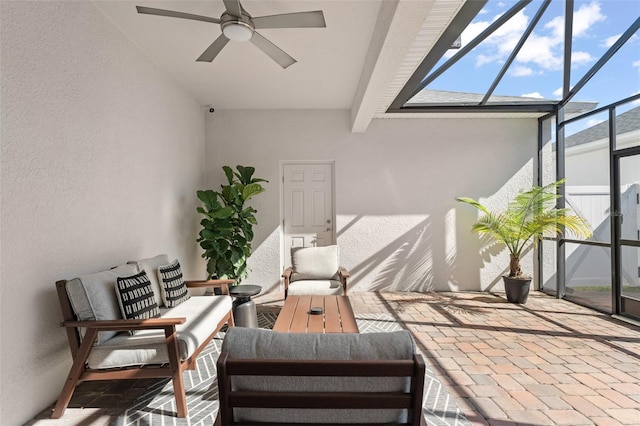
column 627, row 166
column 307, row 206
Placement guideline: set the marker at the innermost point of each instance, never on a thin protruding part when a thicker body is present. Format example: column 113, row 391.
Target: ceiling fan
column 238, row 25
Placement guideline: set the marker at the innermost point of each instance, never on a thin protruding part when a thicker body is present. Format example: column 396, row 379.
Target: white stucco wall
column 398, row 224
column 101, row 156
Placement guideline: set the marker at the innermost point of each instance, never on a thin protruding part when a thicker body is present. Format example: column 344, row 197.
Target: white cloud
column 556, row 25
column 520, row 71
column 533, row 95
column 558, row 92
column 579, row 58
column 608, row 42
column 585, row 17
column 543, row 49
column 499, row 44
column 636, row 64
column 541, row 52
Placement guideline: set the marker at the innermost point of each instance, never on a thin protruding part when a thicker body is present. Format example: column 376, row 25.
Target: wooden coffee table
column 337, row 316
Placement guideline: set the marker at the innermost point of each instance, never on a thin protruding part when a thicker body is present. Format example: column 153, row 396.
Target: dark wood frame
column 81, row 348
column 229, row 367
column 343, row 274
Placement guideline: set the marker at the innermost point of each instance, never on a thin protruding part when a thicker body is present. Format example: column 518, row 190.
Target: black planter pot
column 517, row 289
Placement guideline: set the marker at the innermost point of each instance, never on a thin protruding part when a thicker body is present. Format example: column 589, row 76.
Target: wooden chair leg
column 74, row 373
column 176, row 372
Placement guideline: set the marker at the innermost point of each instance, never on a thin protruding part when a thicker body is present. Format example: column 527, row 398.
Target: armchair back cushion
column 93, row 297
column 244, row 343
column 315, row 263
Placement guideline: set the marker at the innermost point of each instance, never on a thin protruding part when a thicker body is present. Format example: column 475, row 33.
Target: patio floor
column 549, row 362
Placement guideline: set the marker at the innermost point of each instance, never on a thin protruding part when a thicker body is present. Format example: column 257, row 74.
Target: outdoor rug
column 157, row 405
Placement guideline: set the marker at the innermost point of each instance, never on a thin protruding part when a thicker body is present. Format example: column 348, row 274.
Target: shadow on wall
column 407, row 263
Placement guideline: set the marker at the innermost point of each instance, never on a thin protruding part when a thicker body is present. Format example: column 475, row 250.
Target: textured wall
column 101, row 156
column 398, row 224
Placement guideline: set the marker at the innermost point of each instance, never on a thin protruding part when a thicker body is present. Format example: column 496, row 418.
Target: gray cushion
column 246, row 343
column 315, row 263
column 203, row 313
column 315, row 287
column 93, row 297
column 151, row 265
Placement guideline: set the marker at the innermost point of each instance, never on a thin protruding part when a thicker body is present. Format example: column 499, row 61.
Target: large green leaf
column 222, row 213
column 207, row 224
column 252, row 190
column 245, row 174
column 229, row 173
column 209, row 198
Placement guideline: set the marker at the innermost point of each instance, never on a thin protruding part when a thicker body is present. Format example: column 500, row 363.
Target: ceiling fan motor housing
column 237, row 28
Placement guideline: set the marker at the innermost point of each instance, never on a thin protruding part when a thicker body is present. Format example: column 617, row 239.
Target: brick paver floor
column 548, row 362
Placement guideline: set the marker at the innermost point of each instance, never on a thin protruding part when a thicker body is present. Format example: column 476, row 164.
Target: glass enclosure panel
column 597, row 26
column 536, row 72
column 588, row 275
column 629, row 197
column 587, row 173
column 549, row 266
column 630, row 271
column 619, row 78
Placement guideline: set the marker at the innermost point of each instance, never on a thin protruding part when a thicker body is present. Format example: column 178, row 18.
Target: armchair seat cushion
column 314, row 287
column 149, row 346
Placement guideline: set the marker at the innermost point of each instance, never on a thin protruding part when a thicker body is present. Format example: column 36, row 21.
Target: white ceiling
column 353, row 63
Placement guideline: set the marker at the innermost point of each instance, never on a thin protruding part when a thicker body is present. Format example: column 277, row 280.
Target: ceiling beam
column 398, row 23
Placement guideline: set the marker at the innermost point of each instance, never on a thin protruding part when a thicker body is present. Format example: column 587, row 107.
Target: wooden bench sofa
column 296, row 379
column 104, row 346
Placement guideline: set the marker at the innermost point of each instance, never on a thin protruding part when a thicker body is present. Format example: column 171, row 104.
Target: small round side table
column 244, row 309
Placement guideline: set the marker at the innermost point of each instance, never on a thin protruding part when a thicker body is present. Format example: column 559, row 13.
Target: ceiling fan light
column 237, row 31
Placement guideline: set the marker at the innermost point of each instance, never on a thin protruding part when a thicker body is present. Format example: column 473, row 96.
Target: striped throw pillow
column 174, row 290
column 136, row 298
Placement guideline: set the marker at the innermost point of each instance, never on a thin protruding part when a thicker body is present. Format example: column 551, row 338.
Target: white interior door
column 308, row 206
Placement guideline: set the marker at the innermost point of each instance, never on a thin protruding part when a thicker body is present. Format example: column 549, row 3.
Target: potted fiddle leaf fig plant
column 529, row 216
column 227, row 226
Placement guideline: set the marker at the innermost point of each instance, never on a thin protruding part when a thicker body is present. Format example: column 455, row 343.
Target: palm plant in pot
column 529, row 216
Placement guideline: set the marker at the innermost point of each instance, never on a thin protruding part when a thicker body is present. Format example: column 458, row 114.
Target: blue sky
column 537, row 70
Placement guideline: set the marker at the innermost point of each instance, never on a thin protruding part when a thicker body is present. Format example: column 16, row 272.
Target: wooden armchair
column 174, row 356
column 339, row 379
column 315, row 271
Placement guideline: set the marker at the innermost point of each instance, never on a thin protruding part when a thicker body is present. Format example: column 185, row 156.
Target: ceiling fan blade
column 273, row 51
column 233, row 8
column 313, row 19
column 174, row 14
column 213, row 50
